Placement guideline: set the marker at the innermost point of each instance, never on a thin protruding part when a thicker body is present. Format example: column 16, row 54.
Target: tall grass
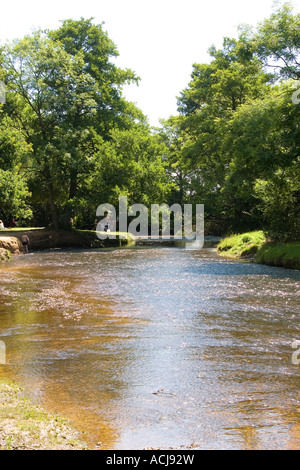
column 241, row 245
column 286, row 255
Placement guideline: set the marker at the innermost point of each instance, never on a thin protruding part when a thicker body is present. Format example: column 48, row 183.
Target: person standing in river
column 25, row 243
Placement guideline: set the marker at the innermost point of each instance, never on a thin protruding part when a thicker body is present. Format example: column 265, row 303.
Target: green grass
column 255, row 245
column 21, row 229
column 121, row 238
column 241, row 245
column 121, row 235
column 286, row 255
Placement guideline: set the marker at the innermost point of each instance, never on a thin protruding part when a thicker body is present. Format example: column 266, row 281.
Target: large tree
column 263, row 178
column 99, row 53
column 237, row 138
column 277, row 42
column 216, row 91
column 14, row 193
column 60, row 96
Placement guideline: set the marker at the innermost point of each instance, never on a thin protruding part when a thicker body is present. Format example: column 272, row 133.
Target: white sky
column 158, row 39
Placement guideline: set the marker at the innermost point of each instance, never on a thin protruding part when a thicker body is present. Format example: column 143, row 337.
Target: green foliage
column 277, row 42
column 13, row 146
column 68, row 136
column 245, row 244
column 237, row 139
column 65, row 96
column 280, row 203
column 46, row 89
column 13, row 196
column 85, row 39
column 274, row 254
column 130, row 164
column 216, row 92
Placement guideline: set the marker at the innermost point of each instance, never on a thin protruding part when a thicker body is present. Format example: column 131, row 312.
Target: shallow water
column 156, row 347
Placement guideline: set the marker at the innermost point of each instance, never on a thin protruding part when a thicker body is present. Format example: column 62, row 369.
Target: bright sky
column 158, row 39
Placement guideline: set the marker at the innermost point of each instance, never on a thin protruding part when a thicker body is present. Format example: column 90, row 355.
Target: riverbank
column 25, row 426
column 5, row 255
column 286, row 255
column 244, row 245
column 8, row 245
column 254, row 246
column 41, row 239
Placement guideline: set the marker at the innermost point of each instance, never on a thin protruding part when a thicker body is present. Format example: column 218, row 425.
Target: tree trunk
column 73, row 184
column 53, row 207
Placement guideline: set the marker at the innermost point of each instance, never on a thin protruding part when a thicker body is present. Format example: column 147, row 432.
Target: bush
column 13, row 196
column 280, row 204
column 244, row 244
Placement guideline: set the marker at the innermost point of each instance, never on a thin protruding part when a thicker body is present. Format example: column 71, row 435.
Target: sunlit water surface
column 156, row 347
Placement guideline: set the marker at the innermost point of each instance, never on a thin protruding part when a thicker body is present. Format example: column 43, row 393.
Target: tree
column 277, row 42
column 44, row 85
column 14, row 195
column 217, row 90
column 281, row 215
column 13, row 146
column 237, row 137
column 60, row 97
column 90, row 40
column 130, row 164
column 111, row 110
column 263, row 175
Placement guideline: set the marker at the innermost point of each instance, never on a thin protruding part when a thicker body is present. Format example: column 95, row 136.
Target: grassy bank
column 25, row 426
column 255, row 246
column 242, row 245
column 285, row 255
column 94, row 240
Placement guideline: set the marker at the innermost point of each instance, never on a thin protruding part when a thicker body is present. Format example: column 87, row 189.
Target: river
column 156, row 347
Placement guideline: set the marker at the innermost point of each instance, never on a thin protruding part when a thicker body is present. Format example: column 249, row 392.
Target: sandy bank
column 10, row 243
column 25, row 426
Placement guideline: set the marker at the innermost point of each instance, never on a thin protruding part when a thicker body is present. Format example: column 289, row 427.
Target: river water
column 156, row 347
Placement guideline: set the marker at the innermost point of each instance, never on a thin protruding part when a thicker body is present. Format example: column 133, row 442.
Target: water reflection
column 156, row 347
